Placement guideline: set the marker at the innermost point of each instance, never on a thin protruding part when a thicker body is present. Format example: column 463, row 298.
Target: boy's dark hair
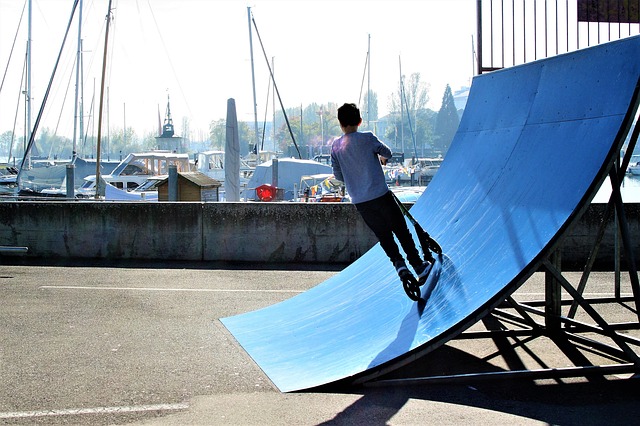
column 349, row 115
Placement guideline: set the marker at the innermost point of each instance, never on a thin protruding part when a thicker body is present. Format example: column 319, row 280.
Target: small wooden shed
column 192, row 186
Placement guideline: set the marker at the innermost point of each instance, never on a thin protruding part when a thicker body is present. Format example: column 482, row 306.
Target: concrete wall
column 254, row 232
column 235, row 232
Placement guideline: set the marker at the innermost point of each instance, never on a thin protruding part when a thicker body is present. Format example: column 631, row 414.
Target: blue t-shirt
column 354, row 159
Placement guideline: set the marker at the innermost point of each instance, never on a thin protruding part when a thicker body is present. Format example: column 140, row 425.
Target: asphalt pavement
column 141, row 343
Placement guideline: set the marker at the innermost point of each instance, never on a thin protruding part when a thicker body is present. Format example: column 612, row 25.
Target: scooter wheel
column 434, row 246
column 412, row 288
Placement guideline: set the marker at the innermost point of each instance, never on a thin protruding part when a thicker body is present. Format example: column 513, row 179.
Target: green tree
column 149, row 142
column 118, row 144
column 6, row 142
column 424, row 119
column 447, row 122
column 52, row 146
column 246, row 136
column 218, row 133
column 313, row 127
column 283, row 135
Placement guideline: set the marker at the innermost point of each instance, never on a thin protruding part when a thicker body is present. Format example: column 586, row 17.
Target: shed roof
column 197, row 178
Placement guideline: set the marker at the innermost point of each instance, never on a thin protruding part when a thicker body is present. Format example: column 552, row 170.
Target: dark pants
column 385, row 219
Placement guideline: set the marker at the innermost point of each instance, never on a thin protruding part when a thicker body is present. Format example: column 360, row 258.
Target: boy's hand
column 383, row 160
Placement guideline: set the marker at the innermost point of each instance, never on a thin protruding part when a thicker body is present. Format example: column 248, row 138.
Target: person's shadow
column 442, row 277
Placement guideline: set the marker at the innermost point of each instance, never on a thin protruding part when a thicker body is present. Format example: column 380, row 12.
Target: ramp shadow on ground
column 584, row 403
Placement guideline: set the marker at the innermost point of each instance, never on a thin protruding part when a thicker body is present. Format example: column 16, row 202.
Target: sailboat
column 46, row 177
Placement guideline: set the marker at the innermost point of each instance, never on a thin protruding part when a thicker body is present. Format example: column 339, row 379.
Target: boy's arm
column 384, row 153
column 380, row 147
column 337, row 171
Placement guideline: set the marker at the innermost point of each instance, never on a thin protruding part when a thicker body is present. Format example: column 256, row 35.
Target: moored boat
column 137, row 168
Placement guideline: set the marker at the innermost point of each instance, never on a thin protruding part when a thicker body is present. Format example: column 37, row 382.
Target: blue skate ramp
column 534, row 144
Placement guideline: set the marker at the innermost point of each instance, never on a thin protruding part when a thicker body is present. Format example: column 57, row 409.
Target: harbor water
column 630, row 190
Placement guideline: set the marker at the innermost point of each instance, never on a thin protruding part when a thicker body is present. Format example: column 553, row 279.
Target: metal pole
column 29, row 42
column 81, row 101
column 479, row 34
column 253, row 79
column 173, row 183
column 321, row 127
column 553, row 296
column 273, row 106
column 74, row 151
column 535, row 31
column 524, row 32
column 567, row 22
column 70, row 181
column 401, row 107
column 99, row 183
column 274, row 172
column 513, row 31
column 309, row 153
column 368, row 81
column 502, row 31
column 626, row 238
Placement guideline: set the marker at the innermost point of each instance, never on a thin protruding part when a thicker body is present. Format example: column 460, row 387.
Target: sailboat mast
column 253, row 79
column 28, row 91
column 74, row 153
column 273, row 107
column 369, row 81
column 81, row 102
column 401, row 106
column 99, row 188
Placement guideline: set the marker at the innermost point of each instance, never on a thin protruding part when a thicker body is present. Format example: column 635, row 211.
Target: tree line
column 411, row 128
column 56, row 147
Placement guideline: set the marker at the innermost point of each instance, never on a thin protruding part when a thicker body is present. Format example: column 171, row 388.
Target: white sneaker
column 401, row 268
column 423, row 271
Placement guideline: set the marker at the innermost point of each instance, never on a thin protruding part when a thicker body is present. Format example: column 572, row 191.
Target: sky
column 198, row 53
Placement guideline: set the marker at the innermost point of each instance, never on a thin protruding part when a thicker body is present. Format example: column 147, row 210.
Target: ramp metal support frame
column 615, row 346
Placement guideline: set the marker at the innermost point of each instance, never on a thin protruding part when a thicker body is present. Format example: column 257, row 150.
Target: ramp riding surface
column 533, row 146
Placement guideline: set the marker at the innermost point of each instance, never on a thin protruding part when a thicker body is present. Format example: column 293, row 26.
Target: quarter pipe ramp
column 534, row 144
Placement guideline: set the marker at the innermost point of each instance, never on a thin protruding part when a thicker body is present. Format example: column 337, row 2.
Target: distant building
column 167, row 141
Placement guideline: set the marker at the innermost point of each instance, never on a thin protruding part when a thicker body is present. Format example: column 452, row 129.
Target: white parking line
column 96, row 410
column 214, row 290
